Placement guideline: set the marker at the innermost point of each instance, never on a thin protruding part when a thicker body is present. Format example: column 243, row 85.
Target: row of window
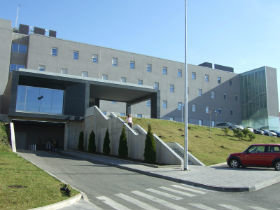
column 207, row 78
column 19, row 48
column 212, row 95
column 132, row 65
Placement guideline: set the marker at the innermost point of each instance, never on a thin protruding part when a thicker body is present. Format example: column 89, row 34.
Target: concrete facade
column 214, row 90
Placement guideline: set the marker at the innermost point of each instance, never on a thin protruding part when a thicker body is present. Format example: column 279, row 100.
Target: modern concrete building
column 48, row 79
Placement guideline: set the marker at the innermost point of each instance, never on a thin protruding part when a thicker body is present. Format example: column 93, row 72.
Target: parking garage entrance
column 43, row 134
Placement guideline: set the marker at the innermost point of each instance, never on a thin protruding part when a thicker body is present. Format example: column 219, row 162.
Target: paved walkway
column 219, row 178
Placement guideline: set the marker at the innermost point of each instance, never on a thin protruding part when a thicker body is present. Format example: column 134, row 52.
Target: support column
column 87, row 96
column 128, row 109
column 155, row 105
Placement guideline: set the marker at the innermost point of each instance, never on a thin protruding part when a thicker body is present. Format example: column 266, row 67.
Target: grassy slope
column 36, row 188
column 210, row 148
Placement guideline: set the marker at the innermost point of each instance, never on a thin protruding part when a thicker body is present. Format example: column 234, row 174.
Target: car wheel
column 234, row 163
column 277, row 165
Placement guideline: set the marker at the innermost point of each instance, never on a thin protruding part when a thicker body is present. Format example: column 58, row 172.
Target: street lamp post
column 186, row 96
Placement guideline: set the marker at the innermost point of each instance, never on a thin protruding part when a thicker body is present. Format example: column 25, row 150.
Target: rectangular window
column 236, row 98
column 54, row 51
column 179, row 73
column 200, row 122
column 94, row 58
column 140, row 82
column 212, row 94
column 193, row 76
column 156, row 85
column 114, row 61
column 148, row 103
column 193, row 108
column 105, row 76
column 230, row 112
column 164, row 70
column 149, row 67
column 64, row 71
column 212, row 123
column 200, row 92
column 207, row 109
column 206, row 77
column 42, row 68
column 230, row 82
column 15, row 67
column 172, row 88
column 132, row 64
column 19, row 48
column 164, row 104
column 225, row 96
column 219, row 80
column 84, row 74
column 39, row 100
column 139, row 115
column 123, row 79
column 180, row 106
column 171, row 118
column 76, row 55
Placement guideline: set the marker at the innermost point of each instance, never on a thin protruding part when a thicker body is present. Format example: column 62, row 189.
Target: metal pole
column 186, row 96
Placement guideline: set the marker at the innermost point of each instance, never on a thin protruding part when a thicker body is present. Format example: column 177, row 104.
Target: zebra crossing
column 163, row 197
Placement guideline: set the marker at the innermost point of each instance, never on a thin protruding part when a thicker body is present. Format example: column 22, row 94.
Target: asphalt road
column 113, row 188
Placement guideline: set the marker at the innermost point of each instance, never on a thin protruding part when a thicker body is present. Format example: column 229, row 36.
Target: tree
column 245, row 132
column 123, row 150
column 106, row 144
column 81, row 141
column 251, row 136
column 226, row 130
column 150, row 147
column 91, row 142
column 238, row 133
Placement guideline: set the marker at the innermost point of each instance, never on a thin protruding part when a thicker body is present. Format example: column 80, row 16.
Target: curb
column 208, row 187
column 61, row 204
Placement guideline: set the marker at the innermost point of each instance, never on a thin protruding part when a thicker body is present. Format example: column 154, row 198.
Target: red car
column 260, row 155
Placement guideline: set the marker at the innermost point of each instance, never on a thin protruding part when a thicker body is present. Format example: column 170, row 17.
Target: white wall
column 95, row 120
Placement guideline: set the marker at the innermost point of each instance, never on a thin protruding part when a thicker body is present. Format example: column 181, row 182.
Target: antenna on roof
column 18, row 8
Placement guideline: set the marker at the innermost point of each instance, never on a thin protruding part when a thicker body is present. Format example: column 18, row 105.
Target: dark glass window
column 54, row 51
column 19, row 48
column 149, row 67
column 132, row 65
column 76, row 55
column 39, row 100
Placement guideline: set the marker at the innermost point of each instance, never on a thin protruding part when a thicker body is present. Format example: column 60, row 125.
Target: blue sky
column 243, row 34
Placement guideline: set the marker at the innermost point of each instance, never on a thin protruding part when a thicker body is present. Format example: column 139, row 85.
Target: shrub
column 81, row 141
column 238, row 133
column 123, row 150
column 106, row 144
column 150, row 147
column 251, row 136
column 66, row 190
column 245, row 132
column 91, row 142
column 226, row 130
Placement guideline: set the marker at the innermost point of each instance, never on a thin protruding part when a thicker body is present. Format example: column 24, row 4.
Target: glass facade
column 254, row 99
column 39, row 100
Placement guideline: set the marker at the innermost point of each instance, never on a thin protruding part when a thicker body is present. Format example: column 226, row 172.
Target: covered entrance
column 40, row 133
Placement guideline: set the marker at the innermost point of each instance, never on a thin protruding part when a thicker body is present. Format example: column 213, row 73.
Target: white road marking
column 167, row 195
column 177, row 191
column 159, row 201
column 112, row 203
column 135, row 202
column 189, row 189
column 257, row 208
column 201, row 206
column 229, row 207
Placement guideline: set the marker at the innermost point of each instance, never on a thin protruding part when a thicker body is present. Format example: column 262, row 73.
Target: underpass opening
column 41, row 134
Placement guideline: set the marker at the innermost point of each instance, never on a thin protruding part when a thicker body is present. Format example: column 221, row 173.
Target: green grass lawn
column 209, row 147
column 23, row 185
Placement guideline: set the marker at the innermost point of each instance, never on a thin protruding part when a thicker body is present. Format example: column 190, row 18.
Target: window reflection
column 39, row 100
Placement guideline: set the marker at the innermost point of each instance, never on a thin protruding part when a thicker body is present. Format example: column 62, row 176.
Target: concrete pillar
column 66, row 132
column 128, row 109
column 13, row 137
column 155, row 105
